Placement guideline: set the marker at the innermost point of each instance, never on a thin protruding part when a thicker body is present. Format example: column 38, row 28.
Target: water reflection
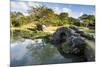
column 36, row 51
column 32, row 52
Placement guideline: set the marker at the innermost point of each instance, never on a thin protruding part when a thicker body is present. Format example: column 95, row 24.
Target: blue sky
column 73, row 9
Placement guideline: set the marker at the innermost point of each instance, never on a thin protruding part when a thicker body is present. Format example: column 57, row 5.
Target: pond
column 26, row 51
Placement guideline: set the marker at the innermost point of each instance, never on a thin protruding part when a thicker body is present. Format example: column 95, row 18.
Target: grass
column 24, row 27
column 87, row 30
column 29, row 31
column 29, row 34
column 90, row 31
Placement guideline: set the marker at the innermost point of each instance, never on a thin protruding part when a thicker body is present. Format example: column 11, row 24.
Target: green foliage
column 18, row 19
column 87, row 19
column 73, row 21
column 63, row 19
column 90, row 31
column 45, row 15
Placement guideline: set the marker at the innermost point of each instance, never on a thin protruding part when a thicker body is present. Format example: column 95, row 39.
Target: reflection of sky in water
column 18, row 49
column 30, row 52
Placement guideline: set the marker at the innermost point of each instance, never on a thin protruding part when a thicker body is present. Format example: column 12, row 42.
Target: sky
column 74, row 10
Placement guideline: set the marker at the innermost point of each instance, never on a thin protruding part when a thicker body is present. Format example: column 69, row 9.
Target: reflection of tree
column 15, row 35
column 41, row 52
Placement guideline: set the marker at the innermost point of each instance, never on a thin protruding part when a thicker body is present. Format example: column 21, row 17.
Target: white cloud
column 25, row 14
column 66, row 10
column 74, row 14
column 58, row 10
column 13, row 4
column 19, row 6
column 22, row 7
column 33, row 4
column 81, row 14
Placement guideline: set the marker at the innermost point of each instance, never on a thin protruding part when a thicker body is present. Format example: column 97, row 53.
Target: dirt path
column 51, row 29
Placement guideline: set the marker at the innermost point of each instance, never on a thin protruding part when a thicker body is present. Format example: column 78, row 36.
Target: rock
column 82, row 33
column 77, row 45
column 61, row 35
column 76, row 29
column 64, row 34
column 88, row 36
column 39, row 27
column 69, row 42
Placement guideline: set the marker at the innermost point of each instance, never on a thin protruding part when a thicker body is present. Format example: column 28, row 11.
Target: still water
column 29, row 52
column 34, row 52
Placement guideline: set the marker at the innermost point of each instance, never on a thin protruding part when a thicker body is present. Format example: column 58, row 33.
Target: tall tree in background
column 63, row 18
column 18, row 19
column 44, row 15
column 74, row 21
column 87, row 19
column 15, row 18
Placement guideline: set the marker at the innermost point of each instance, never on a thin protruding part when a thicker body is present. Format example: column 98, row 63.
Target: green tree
column 44, row 15
column 87, row 19
column 18, row 19
column 74, row 21
column 64, row 18
column 14, row 18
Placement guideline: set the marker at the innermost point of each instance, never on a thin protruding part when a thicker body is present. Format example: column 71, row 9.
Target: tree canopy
column 45, row 15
